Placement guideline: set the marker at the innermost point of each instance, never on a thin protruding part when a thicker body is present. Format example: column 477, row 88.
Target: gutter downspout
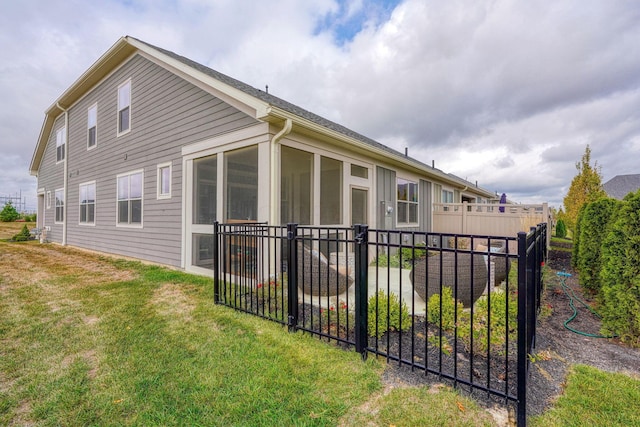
column 275, row 155
column 66, row 173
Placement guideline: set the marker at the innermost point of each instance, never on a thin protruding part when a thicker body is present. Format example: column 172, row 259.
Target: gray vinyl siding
column 386, row 192
column 426, row 207
column 51, row 178
column 167, row 113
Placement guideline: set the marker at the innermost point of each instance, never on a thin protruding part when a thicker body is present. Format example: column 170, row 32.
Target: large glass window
column 87, row 203
column 92, row 126
column 330, row 191
column 59, row 205
column 205, row 178
column 241, row 168
column 124, row 107
column 130, row 198
column 359, row 206
column 61, row 136
column 296, row 186
column 407, row 202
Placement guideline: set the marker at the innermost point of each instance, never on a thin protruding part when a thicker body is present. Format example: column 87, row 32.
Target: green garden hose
column 573, row 297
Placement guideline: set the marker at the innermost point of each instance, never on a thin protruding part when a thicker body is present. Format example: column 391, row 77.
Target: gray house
column 621, row 185
column 147, row 148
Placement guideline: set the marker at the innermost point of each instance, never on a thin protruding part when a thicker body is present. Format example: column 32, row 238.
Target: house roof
column 263, row 105
column 621, row 185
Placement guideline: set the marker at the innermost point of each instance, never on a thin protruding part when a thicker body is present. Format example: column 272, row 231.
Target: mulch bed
column 556, row 349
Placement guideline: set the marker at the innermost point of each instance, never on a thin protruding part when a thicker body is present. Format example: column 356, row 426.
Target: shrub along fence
column 444, row 304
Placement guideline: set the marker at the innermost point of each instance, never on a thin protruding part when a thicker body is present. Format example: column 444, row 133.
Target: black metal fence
column 455, row 306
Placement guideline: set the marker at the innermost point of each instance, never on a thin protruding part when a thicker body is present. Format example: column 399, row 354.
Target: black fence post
column 521, row 415
column 292, row 276
column 216, row 263
column 361, row 233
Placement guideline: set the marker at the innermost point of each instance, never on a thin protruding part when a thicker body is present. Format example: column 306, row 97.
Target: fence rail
column 441, row 303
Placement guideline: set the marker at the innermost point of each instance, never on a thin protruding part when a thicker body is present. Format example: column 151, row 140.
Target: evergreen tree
column 9, row 213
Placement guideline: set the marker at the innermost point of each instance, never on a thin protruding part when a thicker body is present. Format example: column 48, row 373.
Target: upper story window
column 407, row 202
column 61, row 137
column 124, row 107
column 59, row 205
column 130, row 198
column 92, row 126
column 164, row 180
column 87, row 203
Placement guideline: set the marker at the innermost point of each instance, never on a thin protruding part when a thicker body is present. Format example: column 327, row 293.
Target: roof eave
column 107, row 62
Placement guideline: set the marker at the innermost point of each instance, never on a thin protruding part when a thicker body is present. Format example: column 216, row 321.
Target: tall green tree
column 9, row 213
column 586, row 187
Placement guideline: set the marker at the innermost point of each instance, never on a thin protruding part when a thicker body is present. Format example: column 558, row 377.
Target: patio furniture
column 316, row 276
column 470, row 272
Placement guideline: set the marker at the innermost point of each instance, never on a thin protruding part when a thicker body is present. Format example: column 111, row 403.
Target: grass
column 93, row 340
column 595, row 398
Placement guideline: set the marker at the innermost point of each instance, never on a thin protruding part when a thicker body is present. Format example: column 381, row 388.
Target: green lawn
column 92, row 340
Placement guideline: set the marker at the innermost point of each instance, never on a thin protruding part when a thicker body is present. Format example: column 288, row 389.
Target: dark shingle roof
column 308, row 115
column 621, row 185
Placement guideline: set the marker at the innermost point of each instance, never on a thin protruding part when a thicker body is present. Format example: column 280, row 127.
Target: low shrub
column 447, row 311
column 492, row 319
column 23, row 235
column 561, row 229
column 385, row 313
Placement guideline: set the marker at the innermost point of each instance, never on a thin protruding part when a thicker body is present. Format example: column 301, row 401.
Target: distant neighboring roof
column 621, row 185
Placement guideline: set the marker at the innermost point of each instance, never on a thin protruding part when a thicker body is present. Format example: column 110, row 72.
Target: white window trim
column 118, row 133
column 160, row 195
column 118, row 224
column 95, row 203
column 63, row 131
column 96, row 126
column 48, row 199
column 64, row 208
column 407, row 224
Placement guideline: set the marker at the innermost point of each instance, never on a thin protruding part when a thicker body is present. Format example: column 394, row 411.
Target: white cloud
column 506, row 93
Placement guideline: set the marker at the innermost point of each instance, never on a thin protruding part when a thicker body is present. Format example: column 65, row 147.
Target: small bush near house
column 448, row 309
column 9, row 213
column 23, row 235
column 620, row 275
column 561, row 229
column 386, row 313
column 593, row 226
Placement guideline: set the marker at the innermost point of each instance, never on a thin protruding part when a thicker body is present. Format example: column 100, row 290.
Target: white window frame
column 93, row 108
column 448, row 192
column 120, row 106
column 160, row 168
column 55, row 216
column 408, row 203
column 141, row 198
column 48, row 199
column 81, row 205
column 61, row 136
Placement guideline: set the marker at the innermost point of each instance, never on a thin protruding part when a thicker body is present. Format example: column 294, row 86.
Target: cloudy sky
column 506, row 93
